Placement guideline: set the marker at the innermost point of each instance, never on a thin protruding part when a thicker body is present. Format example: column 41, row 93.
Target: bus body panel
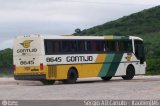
column 105, row 64
column 29, row 55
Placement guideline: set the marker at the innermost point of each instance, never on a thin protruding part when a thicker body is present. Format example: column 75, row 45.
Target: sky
column 61, row 17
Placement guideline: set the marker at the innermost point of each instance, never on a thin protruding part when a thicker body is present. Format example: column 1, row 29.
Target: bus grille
column 52, row 71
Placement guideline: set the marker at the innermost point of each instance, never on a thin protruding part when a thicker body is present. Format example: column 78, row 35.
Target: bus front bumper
column 30, row 77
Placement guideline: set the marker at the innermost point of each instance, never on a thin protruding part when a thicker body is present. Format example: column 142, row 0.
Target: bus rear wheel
column 106, row 78
column 130, row 72
column 71, row 77
column 48, row 82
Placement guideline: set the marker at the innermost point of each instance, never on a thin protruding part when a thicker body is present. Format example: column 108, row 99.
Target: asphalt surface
column 139, row 88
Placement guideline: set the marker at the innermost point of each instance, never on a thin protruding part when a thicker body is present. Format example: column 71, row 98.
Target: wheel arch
column 74, row 68
column 130, row 72
column 130, row 65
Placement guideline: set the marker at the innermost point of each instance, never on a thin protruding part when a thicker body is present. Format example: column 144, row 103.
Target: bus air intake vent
column 52, row 71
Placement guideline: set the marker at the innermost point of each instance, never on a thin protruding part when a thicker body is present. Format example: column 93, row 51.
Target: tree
column 78, row 31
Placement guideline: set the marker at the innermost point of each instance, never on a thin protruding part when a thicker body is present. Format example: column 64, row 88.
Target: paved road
column 141, row 87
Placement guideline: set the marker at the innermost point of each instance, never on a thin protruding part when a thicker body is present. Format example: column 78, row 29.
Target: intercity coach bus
column 66, row 58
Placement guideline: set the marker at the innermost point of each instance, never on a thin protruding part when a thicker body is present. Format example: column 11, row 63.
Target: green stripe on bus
column 105, row 68
column 121, row 37
column 114, row 65
column 117, row 37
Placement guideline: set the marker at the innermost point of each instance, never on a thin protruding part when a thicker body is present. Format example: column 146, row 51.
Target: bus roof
column 109, row 37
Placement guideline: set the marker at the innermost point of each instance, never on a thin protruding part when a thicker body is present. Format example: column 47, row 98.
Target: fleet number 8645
column 53, row 59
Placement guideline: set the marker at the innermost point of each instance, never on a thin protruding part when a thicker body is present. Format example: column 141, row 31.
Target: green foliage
column 6, row 62
column 145, row 24
column 152, row 43
column 153, row 65
column 6, row 58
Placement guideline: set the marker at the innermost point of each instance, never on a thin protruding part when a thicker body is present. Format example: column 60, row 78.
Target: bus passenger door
column 140, row 54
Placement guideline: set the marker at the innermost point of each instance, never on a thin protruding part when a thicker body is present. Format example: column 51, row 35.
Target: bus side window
column 100, row 47
column 106, row 46
column 69, row 46
column 136, row 44
column 121, row 46
column 94, row 46
column 139, row 51
column 111, row 46
column 128, row 46
column 88, row 46
column 64, row 46
column 48, row 47
column 125, row 46
column 56, row 46
column 80, row 46
column 72, row 46
column 52, row 46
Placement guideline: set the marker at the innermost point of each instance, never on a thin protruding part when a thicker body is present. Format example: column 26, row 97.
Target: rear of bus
column 28, row 53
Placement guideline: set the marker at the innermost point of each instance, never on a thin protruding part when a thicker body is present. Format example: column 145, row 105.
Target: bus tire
column 130, row 72
column 48, row 82
column 71, row 76
column 106, row 78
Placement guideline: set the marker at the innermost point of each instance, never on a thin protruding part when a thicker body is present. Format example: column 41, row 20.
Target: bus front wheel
column 130, row 72
column 71, row 77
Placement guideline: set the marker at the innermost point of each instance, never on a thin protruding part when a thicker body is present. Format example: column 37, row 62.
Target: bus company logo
column 27, row 68
column 128, row 58
column 26, row 43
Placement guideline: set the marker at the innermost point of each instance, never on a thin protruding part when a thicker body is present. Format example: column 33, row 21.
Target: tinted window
column 86, row 46
column 125, row 46
column 128, row 46
column 139, row 49
column 94, row 46
column 80, row 46
column 52, row 46
column 69, row 46
column 100, row 46
column 111, row 46
column 121, row 46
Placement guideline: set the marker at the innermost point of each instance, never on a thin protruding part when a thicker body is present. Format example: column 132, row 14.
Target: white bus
column 66, row 58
